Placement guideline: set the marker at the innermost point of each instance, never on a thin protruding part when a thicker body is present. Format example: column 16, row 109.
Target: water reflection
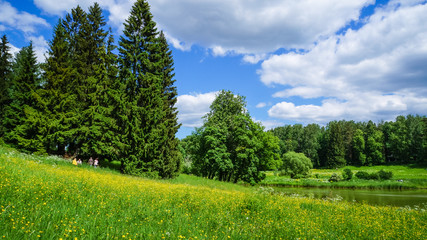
column 399, row 198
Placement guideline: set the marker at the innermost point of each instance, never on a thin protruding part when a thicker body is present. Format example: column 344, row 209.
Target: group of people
column 92, row 163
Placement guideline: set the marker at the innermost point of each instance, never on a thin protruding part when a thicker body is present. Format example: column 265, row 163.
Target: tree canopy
column 230, row 146
column 89, row 101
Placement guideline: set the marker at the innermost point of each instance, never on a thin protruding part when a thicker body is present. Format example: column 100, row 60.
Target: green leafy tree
column 335, row 149
column 310, row 143
column 405, row 139
column 359, row 157
column 296, row 164
column 374, row 145
column 230, row 146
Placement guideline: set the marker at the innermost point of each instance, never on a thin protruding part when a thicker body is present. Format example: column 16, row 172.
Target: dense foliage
column 342, row 143
column 230, row 146
column 296, row 164
column 87, row 101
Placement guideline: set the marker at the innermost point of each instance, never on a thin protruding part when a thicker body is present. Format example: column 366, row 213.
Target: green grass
column 412, row 176
column 48, row 198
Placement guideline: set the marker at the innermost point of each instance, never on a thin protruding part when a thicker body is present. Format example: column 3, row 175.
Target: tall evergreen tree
column 5, row 79
column 58, row 74
column 25, row 122
column 169, row 146
column 145, row 72
column 97, row 124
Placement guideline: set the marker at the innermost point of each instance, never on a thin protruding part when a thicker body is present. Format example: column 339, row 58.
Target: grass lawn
column 49, row 198
column 411, row 176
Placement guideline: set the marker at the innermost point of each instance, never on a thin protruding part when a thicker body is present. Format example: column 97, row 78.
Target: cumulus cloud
column 234, row 26
column 261, row 105
column 254, row 27
column 193, row 107
column 10, row 17
column 118, row 9
column 374, row 72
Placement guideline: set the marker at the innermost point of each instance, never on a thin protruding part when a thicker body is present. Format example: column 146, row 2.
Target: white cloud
column 254, row 58
column 261, row 105
column 254, row 27
column 193, row 107
column 375, row 72
column 10, row 17
column 118, row 9
column 244, row 27
column 368, row 106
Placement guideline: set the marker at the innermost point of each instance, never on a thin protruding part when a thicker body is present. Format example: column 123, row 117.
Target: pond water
column 398, row 198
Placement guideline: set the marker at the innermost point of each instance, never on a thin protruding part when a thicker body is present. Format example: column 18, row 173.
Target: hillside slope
column 49, row 198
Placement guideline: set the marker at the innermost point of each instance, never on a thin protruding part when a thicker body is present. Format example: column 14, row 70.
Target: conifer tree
column 149, row 114
column 97, row 123
column 24, row 119
column 171, row 155
column 5, row 79
column 58, row 74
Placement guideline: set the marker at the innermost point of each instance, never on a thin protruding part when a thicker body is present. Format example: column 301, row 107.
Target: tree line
column 230, row 146
column 341, row 143
column 93, row 98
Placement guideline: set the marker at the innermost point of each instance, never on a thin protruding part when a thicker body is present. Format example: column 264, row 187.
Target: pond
column 398, row 198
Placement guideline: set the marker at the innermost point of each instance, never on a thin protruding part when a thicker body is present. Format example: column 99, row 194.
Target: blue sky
column 296, row 61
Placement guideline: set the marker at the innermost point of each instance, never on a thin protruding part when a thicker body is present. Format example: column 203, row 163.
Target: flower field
column 49, row 198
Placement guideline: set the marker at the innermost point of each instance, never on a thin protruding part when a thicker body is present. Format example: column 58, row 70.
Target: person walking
column 95, row 164
column 90, row 161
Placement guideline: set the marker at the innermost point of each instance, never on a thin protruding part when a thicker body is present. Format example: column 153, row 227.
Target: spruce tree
column 5, row 79
column 171, row 155
column 58, row 74
column 24, row 118
column 148, row 113
column 97, row 124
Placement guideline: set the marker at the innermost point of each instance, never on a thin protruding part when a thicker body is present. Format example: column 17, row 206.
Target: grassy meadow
column 413, row 177
column 49, row 198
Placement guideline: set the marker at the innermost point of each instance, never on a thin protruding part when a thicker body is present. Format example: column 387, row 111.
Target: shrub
column 362, row 175
column 385, row 175
column 347, row 174
column 374, row 176
column 334, row 178
column 296, row 164
column 380, row 175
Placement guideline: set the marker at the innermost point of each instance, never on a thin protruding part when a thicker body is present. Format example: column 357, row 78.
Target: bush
column 347, row 174
column 380, row 175
column 362, row 175
column 296, row 164
column 334, row 178
column 374, row 176
column 385, row 175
